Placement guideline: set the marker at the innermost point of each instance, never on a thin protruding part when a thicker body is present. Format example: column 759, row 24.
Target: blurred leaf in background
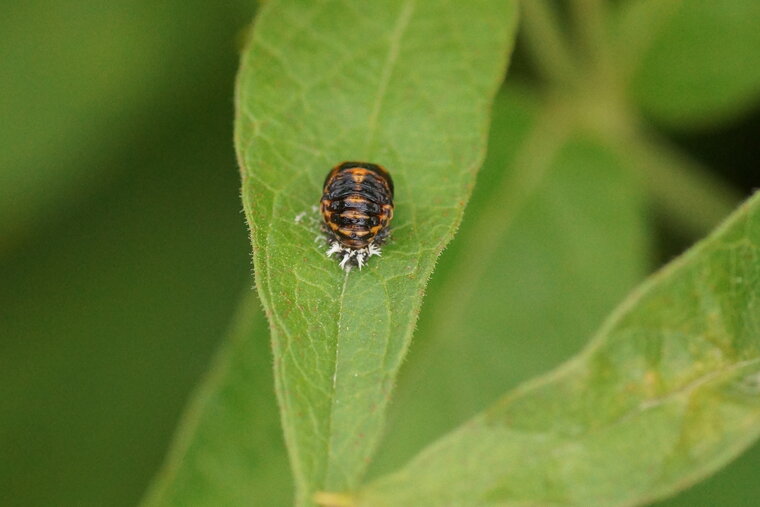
column 694, row 63
column 229, row 448
column 108, row 318
column 123, row 250
column 87, row 85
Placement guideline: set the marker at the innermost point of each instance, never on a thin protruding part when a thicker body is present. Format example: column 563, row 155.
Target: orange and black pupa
column 357, row 207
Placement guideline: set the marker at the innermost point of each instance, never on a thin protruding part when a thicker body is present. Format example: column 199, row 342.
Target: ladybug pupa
column 356, row 207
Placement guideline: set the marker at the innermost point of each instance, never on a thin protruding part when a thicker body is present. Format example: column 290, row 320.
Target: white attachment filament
column 358, row 255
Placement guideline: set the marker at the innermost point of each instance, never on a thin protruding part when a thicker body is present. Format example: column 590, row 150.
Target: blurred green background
column 123, row 250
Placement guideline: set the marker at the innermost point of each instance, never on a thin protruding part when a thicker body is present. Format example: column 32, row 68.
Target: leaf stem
column 546, row 42
column 690, row 196
column 589, row 17
column 687, row 194
column 531, row 167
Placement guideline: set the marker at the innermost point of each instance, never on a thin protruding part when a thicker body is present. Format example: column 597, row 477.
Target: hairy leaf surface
column 403, row 83
column 667, row 392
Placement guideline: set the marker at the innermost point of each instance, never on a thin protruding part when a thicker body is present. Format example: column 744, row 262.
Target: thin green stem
column 529, row 171
column 688, row 194
column 690, row 197
column 637, row 31
column 546, row 42
column 590, row 22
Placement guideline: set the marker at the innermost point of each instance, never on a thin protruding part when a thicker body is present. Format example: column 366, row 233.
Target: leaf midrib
column 330, row 435
column 394, row 49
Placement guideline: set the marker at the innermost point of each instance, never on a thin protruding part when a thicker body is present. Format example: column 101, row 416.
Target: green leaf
column 228, row 449
column 403, row 83
column 554, row 236
column 104, row 334
column 694, row 62
column 668, row 392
